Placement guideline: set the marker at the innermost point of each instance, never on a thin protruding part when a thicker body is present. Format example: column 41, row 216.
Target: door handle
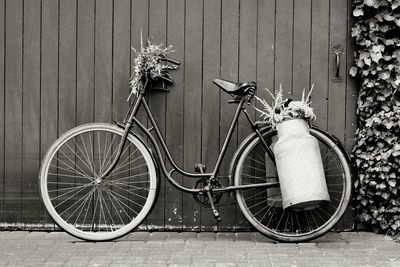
column 337, row 50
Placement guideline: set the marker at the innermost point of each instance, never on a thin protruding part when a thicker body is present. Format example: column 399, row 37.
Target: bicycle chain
column 202, row 198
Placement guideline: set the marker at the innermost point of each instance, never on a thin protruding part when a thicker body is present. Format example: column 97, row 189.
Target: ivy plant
column 377, row 151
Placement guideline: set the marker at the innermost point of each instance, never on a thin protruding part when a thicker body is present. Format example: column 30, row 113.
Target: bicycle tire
column 84, row 205
column 262, row 206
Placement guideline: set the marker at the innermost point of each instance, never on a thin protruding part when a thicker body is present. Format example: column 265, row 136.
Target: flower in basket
column 149, row 61
column 285, row 109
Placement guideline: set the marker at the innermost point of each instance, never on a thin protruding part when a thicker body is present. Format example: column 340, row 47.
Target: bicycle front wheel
column 79, row 201
column 262, row 206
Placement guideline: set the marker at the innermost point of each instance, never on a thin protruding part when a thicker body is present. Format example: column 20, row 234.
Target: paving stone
column 207, row 249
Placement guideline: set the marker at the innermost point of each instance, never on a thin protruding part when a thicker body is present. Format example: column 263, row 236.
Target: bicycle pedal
column 217, row 216
column 200, row 168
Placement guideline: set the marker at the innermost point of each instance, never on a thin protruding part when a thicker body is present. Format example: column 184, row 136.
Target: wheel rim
column 84, row 204
column 263, row 206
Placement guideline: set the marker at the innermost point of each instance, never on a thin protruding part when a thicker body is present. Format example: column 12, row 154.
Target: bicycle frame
column 132, row 120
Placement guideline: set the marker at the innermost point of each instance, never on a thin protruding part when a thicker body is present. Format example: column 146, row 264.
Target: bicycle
column 99, row 181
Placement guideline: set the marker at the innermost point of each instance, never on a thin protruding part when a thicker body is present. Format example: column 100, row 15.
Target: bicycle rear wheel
column 79, row 201
column 262, row 206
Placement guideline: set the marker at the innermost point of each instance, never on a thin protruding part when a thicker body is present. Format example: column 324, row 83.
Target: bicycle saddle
column 239, row 89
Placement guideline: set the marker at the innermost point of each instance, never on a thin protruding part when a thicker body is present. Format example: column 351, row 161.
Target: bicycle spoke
column 86, row 151
column 84, row 163
column 90, row 167
column 129, row 191
column 120, row 202
column 79, row 201
column 115, row 208
column 70, row 168
column 81, row 205
column 105, row 157
column 72, row 190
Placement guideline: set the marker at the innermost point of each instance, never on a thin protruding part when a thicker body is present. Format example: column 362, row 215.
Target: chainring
column 202, row 197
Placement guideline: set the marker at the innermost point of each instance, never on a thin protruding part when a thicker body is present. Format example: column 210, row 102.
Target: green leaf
column 376, row 56
column 370, row 2
column 384, row 75
column 392, row 182
column 353, row 71
column 358, row 12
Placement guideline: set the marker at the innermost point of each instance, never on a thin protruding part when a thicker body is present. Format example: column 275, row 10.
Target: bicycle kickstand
column 200, row 168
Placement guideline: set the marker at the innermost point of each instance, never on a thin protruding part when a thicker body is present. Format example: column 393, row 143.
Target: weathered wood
column 85, row 62
column 121, row 57
column 67, row 66
column 301, row 47
column 210, row 139
column 139, row 25
column 2, row 108
column 284, row 46
column 174, row 113
column 157, row 30
column 68, row 63
column 229, row 71
column 247, row 70
column 351, row 105
column 31, row 202
column 103, row 60
column 319, row 61
column 192, row 105
column 337, row 91
column 13, row 111
column 49, row 81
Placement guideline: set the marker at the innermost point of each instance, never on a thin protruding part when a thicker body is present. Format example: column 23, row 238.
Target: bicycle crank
column 203, row 198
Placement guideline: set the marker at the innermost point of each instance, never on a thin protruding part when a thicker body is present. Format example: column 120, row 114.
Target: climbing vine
column 377, row 152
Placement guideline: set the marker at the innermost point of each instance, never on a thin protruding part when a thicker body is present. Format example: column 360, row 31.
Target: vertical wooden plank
column 2, row 108
column 265, row 48
column 348, row 220
column 351, row 84
column 13, row 111
column 284, row 45
column 174, row 112
column 229, row 71
column 67, row 66
column 157, row 30
column 103, row 60
column 31, row 114
column 337, row 91
column 139, row 24
column 247, row 68
column 211, row 95
column 192, row 104
column 319, row 60
column 301, row 47
column 121, row 57
column 49, row 81
column 247, row 54
column 85, row 62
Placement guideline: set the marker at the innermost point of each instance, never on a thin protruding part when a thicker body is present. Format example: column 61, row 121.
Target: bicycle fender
column 336, row 140
column 240, row 149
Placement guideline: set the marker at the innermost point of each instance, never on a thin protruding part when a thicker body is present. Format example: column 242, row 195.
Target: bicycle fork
column 128, row 125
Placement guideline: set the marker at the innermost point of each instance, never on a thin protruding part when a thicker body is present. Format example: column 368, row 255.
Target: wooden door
column 67, row 62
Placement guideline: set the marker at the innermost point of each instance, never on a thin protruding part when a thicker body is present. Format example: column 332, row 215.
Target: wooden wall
column 67, row 62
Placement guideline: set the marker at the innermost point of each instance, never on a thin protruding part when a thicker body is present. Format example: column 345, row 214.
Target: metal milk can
column 299, row 165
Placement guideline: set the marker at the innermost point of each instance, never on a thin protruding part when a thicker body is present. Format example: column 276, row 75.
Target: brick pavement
column 196, row 249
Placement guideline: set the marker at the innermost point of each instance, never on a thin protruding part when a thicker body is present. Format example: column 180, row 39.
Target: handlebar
column 173, row 61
